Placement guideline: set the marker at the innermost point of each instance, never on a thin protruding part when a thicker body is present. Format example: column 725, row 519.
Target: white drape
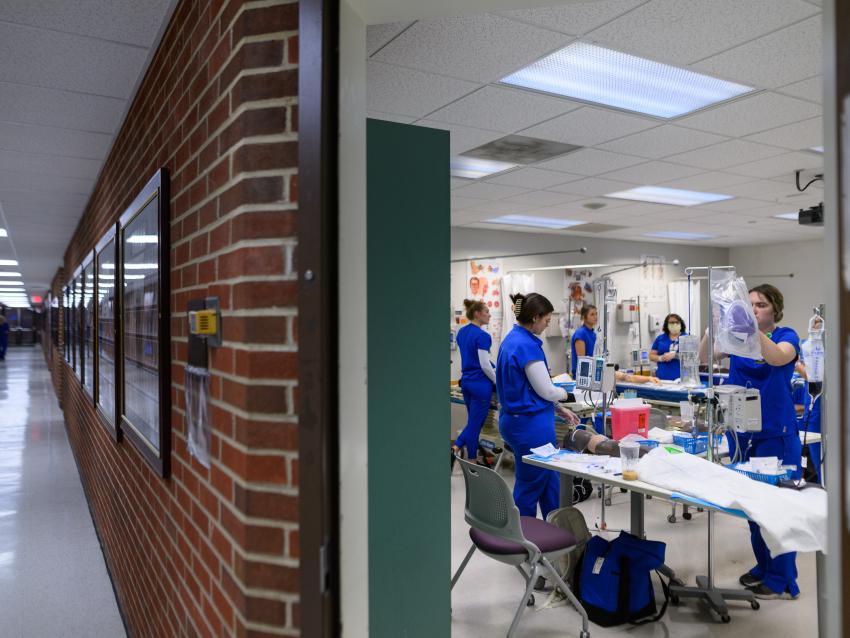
column 677, row 295
column 512, row 284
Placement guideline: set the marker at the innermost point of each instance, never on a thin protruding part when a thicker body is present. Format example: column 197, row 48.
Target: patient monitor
column 593, row 374
column 740, row 407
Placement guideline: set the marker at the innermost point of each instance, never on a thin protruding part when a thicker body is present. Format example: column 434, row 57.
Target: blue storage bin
column 771, row 479
column 690, row 444
column 648, row 442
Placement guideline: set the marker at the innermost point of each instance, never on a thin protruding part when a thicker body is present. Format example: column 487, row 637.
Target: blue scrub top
column 471, row 339
column 773, row 383
column 667, row 370
column 516, row 395
column 589, row 337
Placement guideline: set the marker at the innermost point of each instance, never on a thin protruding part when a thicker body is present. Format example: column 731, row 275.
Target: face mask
column 674, row 328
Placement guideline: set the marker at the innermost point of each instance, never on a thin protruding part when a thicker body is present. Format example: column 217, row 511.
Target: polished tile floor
column 53, row 579
column 485, row 598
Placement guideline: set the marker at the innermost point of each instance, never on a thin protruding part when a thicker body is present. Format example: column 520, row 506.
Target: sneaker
column 766, row 593
column 749, row 580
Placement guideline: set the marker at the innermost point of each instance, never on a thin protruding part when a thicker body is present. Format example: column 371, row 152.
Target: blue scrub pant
column 534, row 485
column 780, row 572
column 476, row 397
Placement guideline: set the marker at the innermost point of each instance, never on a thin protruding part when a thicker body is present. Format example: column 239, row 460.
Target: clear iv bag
column 813, row 355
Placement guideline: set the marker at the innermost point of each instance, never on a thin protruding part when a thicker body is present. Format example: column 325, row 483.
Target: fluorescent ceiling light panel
column 792, row 216
column 674, row 234
column 673, row 196
column 3, row 232
column 10, row 274
column 8, row 262
column 816, row 149
column 474, row 168
column 536, row 222
column 143, row 239
column 604, row 76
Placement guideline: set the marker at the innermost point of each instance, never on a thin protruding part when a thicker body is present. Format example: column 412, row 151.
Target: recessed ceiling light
column 795, row 216
column 474, row 168
column 674, row 234
column 537, row 222
column 604, row 76
column 673, row 196
column 3, row 232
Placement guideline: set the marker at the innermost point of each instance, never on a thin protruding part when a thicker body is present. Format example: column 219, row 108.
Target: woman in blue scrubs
column 478, row 379
column 584, row 339
column 526, row 396
column 773, row 576
column 665, row 348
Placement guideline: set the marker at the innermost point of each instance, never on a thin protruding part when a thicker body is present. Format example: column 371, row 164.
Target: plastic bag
column 198, row 424
column 736, row 330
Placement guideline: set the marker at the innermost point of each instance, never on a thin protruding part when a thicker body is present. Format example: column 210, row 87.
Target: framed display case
column 107, row 343
column 87, row 325
column 75, row 321
column 53, row 308
column 145, row 397
column 66, row 322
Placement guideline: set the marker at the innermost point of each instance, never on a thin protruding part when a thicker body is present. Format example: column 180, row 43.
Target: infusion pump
column 741, row 407
column 592, row 373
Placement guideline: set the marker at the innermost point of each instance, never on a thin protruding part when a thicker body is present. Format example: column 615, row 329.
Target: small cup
column 629, row 457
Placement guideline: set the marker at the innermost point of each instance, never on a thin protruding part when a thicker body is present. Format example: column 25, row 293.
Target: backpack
column 613, row 581
column 572, row 520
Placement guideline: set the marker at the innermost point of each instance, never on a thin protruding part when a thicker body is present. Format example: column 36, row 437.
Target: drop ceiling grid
column 750, row 142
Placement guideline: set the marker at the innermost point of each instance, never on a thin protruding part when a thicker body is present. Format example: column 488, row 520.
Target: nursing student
column 528, row 403
column 665, row 348
column 584, row 339
column 478, row 378
column 772, row 576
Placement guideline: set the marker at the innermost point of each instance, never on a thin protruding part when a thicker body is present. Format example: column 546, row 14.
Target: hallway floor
column 53, row 578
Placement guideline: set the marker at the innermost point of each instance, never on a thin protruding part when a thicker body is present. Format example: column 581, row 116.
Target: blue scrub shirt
column 774, row 383
column 516, row 395
column 471, row 339
column 589, row 337
column 667, row 370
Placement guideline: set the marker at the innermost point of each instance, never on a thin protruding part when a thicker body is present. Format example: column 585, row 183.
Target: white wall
column 353, row 430
column 802, row 291
column 468, row 242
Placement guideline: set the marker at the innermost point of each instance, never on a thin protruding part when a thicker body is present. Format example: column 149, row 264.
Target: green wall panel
column 408, row 208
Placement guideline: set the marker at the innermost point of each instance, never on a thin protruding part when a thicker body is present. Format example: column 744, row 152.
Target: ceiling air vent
column 519, row 149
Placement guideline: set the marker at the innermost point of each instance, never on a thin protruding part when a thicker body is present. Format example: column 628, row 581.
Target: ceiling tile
column 126, row 21
column 471, row 48
column 777, row 59
column 725, row 154
column 533, row 178
column 781, row 165
column 810, row 89
column 765, row 190
column 589, row 126
column 576, row 18
column 459, row 202
column 377, row 35
column 52, row 141
column 593, row 187
column 684, row 32
column 50, row 164
column 662, row 141
column 542, row 198
column 797, row 136
column 751, row 114
column 501, row 207
column 590, row 161
column 389, row 117
column 459, row 182
column 483, row 190
column 503, row 109
column 707, row 181
column 393, row 89
column 462, row 217
column 64, row 109
column 462, row 138
column 581, row 206
column 60, row 61
column 730, row 205
column 36, row 182
column 652, row 173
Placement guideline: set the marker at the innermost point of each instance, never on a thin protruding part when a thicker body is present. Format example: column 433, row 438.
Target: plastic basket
column 647, row 442
column 690, row 444
column 771, row 479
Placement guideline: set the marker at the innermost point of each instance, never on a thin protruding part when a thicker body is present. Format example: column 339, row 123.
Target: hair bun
column 468, row 303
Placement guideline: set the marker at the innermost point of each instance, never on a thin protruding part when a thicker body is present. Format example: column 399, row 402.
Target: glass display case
column 145, row 343
column 88, row 316
column 66, row 323
column 106, row 388
column 75, row 322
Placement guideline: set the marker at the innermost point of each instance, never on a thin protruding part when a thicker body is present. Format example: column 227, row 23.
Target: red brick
column 253, row 294
column 268, row 505
column 252, row 123
column 252, row 260
column 264, row 86
column 258, row 364
column 265, row 157
column 259, row 575
column 266, row 20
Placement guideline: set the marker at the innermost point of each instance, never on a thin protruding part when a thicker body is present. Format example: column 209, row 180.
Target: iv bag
column 737, row 329
column 813, row 352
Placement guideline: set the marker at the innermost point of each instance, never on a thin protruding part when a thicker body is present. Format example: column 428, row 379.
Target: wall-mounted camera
column 812, row 216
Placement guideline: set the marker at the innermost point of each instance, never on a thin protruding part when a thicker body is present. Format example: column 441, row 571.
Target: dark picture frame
column 76, row 305
column 107, row 348
column 87, row 326
column 145, row 361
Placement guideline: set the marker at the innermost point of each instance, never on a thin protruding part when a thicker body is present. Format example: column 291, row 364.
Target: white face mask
column 674, row 328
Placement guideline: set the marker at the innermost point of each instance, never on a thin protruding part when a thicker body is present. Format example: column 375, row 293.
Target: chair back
column 489, row 503
column 657, row 419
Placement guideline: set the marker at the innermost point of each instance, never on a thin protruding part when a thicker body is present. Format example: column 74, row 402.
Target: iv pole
column 705, row 588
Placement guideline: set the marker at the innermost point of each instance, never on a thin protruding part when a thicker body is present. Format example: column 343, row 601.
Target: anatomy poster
column 578, row 291
column 484, row 282
column 653, row 285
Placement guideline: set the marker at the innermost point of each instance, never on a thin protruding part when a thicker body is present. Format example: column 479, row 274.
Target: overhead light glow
column 3, row 232
column 816, row 149
column 792, row 216
column 672, row 196
column 143, row 239
column 134, row 276
column 674, row 234
column 604, row 76
column 10, row 274
column 474, row 168
column 8, row 262
column 537, row 222
column 133, row 266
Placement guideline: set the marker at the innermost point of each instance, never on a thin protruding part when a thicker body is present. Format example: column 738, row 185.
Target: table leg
column 637, row 513
column 566, row 489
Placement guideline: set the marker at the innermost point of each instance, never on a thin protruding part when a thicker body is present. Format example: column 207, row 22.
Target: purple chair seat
column 546, row 536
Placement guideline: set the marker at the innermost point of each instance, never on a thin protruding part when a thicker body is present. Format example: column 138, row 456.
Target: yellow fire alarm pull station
column 204, row 328
column 203, row 323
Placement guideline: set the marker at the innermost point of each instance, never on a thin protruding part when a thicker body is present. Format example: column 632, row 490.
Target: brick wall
column 210, row 552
